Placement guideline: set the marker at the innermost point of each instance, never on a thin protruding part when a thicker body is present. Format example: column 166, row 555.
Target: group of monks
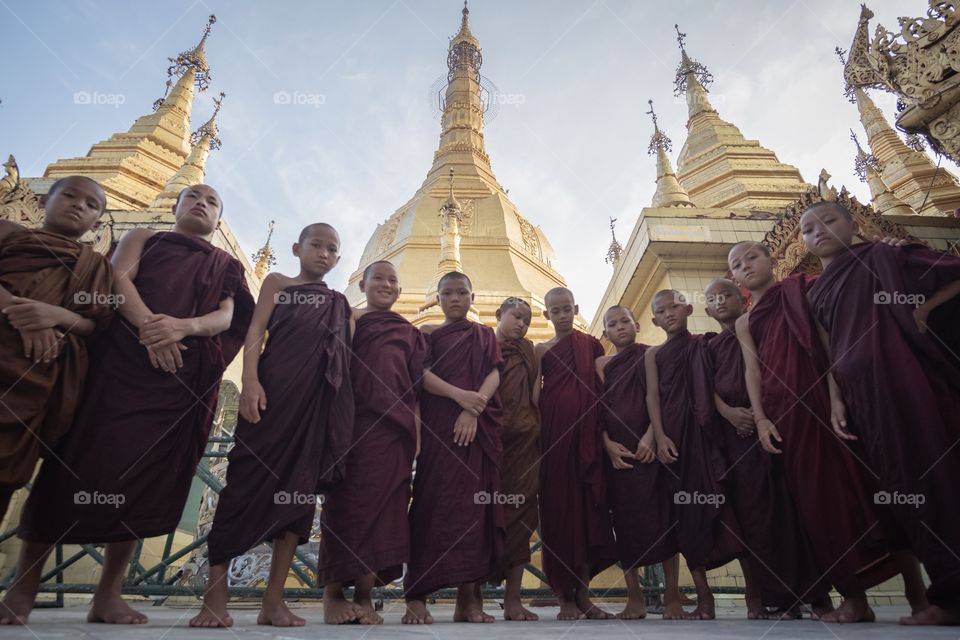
column 813, row 439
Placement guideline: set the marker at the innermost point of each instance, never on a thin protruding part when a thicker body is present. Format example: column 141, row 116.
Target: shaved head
column 373, row 265
column 310, row 229
column 454, row 274
column 558, row 291
column 826, row 204
column 618, row 307
column 750, row 244
column 63, row 182
column 722, row 284
column 673, row 293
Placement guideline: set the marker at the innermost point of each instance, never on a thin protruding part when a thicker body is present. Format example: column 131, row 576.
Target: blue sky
column 571, row 149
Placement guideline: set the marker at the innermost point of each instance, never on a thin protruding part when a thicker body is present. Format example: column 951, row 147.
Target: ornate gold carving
column 531, row 240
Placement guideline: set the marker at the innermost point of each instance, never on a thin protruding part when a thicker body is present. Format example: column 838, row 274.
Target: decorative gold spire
column 193, row 62
column 451, row 217
column 465, row 35
column 669, row 192
column 883, row 200
column 264, row 258
column 203, row 140
column 884, row 142
column 692, row 79
column 615, row 250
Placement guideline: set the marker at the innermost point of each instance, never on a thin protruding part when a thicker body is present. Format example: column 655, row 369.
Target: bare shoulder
column 743, row 323
column 428, row 328
column 601, row 363
column 137, row 235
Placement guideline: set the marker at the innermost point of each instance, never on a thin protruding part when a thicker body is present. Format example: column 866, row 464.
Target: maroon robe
column 574, row 520
column 278, row 466
column 777, row 548
column 456, row 518
column 902, row 391
column 641, row 505
column 707, row 530
column 37, row 399
column 521, row 451
column 124, row 469
column 832, row 489
column 364, row 523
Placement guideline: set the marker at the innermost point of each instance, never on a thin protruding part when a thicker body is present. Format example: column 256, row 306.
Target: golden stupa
column 461, row 218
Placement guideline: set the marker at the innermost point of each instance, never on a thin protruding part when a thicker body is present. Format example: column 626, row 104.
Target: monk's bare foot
column 212, row 615
column 706, row 610
column 782, row 613
column 570, row 611
column 417, row 613
column 635, row 610
column 515, row 611
column 933, row 615
column 471, row 612
column 850, row 610
column 755, row 609
column 16, row 607
column 687, row 601
column 111, row 609
column 593, row 612
column 368, row 613
column 673, row 611
column 338, row 610
column 276, row 613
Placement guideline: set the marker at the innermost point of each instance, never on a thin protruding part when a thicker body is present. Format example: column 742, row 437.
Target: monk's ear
column 363, row 285
column 689, row 309
column 296, row 249
column 498, row 314
column 606, row 336
column 709, row 312
column 654, row 321
column 576, row 309
column 472, row 296
column 43, row 201
column 546, row 314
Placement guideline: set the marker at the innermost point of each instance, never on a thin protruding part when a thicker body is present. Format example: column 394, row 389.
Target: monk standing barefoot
column 296, row 422
column 365, row 531
column 149, row 401
column 519, row 392
column 574, row 519
column 456, row 518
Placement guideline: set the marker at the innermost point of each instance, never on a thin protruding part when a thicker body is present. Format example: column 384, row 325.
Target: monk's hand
column 160, row 330
column 742, row 420
column 617, row 453
column 464, row 429
column 472, row 401
column 899, row 242
column 647, row 448
column 253, row 400
column 767, row 432
column 30, row 315
column 166, row 357
column 41, row 344
column 920, row 315
column 666, row 450
column 838, row 418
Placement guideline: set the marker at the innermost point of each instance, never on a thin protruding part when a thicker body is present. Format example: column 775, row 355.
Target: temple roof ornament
column 669, row 191
column 264, row 257
column 616, row 249
column 191, row 60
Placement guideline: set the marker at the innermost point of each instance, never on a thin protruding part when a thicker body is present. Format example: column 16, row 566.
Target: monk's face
column 319, row 252
column 73, row 208
column 381, row 286
column 198, row 210
column 750, row 266
column 724, row 301
column 619, row 327
column 514, row 321
column 827, row 230
column 561, row 311
column 670, row 312
column 455, row 297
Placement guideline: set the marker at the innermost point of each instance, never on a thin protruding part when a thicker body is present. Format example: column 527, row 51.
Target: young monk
column 641, row 507
column 365, row 532
column 707, row 532
column 295, row 424
column 793, row 405
column 574, row 521
column 882, row 309
column 519, row 392
column 456, row 518
column 54, row 293
column 148, row 401
column 779, row 570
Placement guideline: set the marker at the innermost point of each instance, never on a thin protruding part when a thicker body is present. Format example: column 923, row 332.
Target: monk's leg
column 913, row 588
column 214, row 612
column 6, row 495
column 363, row 598
column 417, row 612
column 568, row 606
column 706, row 609
column 854, row 608
column 108, row 605
column 513, row 608
column 933, row 615
column 22, row 592
column 636, row 608
column 672, row 607
column 751, row 594
column 469, row 606
column 584, row 603
column 273, row 610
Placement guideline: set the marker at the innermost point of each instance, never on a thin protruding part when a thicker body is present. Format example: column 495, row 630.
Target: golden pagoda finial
column 827, row 193
column 264, row 258
column 195, row 59
column 659, row 139
column 864, row 162
column 692, row 80
column 464, row 49
column 615, row 250
column 669, row 191
column 884, row 201
column 209, row 128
